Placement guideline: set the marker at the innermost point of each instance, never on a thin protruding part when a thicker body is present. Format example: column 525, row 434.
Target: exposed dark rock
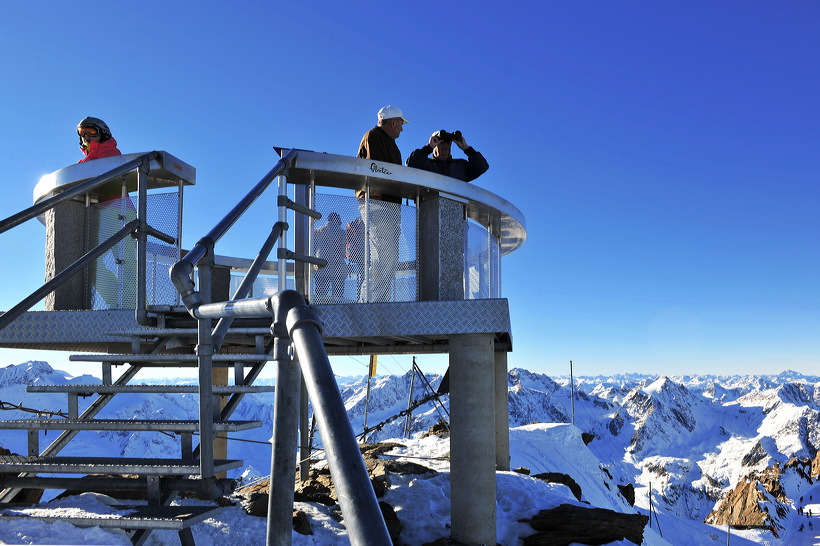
column 522, row 470
column 394, row 526
column 440, row 429
column 568, row 524
column 628, row 493
column 755, row 455
column 557, row 477
column 587, row 437
column 301, row 524
column 616, row 423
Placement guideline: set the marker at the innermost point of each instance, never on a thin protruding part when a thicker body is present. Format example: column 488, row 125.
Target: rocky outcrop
column 757, row 501
column 628, row 493
column 557, row 477
column 568, row 524
column 319, row 488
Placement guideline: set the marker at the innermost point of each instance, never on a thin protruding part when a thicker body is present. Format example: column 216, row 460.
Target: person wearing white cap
column 379, row 143
column 381, row 213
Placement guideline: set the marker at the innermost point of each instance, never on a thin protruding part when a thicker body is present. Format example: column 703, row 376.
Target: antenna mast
column 572, row 392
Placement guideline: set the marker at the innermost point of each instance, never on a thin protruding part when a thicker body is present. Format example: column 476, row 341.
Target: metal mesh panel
column 482, row 278
column 163, row 215
column 112, row 278
column 371, row 254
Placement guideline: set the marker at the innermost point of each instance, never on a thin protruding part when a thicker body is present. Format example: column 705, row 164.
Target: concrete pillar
column 472, row 439
column 65, row 243
column 502, row 413
column 441, row 249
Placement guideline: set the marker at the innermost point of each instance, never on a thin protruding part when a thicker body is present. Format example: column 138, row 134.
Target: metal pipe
column 212, row 488
column 181, row 271
column 283, row 457
column 79, row 189
column 253, row 307
column 281, row 269
column 9, row 316
column 204, row 353
column 140, row 310
column 363, row 517
column 247, row 283
column 198, row 252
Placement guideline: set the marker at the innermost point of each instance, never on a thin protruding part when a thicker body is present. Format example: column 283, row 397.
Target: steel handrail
column 181, row 272
column 80, row 189
column 63, row 276
column 142, row 163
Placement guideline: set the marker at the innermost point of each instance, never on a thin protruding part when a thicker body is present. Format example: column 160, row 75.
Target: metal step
column 176, row 360
column 110, row 465
column 147, row 389
column 174, row 518
column 210, row 488
column 188, row 426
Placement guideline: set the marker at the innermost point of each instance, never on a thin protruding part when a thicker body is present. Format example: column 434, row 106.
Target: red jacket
column 97, row 150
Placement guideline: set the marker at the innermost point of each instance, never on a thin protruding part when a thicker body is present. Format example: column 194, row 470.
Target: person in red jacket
column 96, row 140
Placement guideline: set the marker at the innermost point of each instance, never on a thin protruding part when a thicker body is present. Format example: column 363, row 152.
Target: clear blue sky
column 665, row 155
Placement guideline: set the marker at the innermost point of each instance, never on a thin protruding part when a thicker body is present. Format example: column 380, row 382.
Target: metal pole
column 572, row 392
column 410, row 401
column 306, row 438
column 282, row 267
column 283, row 457
column 366, row 407
column 363, row 517
column 204, row 352
column 142, row 236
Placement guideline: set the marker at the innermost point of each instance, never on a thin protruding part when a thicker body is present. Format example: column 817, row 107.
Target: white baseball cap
column 390, row 112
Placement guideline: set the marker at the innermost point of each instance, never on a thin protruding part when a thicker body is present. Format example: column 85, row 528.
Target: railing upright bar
column 79, row 189
column 247, row 283
column 235, row 213
column 204, row 353
column 282, row 274
column 142, row 239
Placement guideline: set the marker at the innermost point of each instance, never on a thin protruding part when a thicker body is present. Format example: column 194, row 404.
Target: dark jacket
column 378, row 145
column 464, row 169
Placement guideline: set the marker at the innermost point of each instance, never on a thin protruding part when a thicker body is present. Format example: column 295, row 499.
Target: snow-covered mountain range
column 688, row 441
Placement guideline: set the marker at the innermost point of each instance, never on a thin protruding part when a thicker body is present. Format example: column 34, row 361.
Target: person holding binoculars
column 442, row 161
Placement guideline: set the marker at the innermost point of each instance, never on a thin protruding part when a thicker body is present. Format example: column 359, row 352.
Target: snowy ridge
column 691, row 439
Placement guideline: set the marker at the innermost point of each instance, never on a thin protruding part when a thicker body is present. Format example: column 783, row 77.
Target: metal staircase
column 157, row 336
column 159, row 481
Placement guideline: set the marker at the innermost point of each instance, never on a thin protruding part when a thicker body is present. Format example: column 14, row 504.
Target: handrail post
column 140, row 311
column 282, row 272
column 363, row 517
column 285, row 426
column 204, row 351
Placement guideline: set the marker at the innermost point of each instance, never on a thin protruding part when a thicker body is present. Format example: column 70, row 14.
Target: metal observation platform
column 370, row 258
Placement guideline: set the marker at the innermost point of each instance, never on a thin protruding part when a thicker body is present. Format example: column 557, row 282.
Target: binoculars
column 448, row 137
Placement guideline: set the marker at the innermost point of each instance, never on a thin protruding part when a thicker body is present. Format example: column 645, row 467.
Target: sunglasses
column 90, row 131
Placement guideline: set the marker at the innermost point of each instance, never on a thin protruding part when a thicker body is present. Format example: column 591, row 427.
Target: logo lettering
column 378, row 169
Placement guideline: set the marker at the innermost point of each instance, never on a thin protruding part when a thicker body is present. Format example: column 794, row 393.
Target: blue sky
column 665, row 155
